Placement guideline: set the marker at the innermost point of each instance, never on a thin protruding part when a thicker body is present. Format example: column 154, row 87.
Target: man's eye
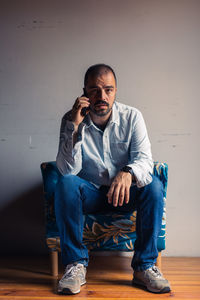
column 94, row 91
column 109, row 90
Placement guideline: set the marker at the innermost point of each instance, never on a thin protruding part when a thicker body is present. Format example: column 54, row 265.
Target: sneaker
column 73, row 278
column 152, row 279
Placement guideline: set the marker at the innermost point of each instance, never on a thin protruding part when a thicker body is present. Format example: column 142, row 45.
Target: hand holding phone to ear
column 80, row 109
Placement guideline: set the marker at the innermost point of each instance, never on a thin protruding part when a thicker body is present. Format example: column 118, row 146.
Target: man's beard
column 101, row 112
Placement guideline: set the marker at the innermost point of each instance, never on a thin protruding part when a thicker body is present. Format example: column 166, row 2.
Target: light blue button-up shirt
column 99, row 155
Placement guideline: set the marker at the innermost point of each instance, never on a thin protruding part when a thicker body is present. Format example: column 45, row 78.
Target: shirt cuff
column 70, row 129
column 141, row 178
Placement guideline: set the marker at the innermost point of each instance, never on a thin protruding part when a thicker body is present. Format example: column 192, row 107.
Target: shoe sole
column 68, row 291
column 140, row 283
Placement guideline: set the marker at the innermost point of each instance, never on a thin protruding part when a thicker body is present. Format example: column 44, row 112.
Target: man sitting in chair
column 105, row 158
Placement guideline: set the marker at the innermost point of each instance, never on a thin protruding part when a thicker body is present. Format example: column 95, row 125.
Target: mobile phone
column 85, row 109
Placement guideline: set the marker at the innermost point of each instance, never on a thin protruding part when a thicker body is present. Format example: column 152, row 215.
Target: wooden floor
column 107, row 278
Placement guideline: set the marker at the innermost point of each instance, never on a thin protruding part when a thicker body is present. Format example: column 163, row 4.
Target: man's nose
column 101, row 94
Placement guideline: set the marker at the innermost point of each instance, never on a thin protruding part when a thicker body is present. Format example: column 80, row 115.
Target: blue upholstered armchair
column 106, row 232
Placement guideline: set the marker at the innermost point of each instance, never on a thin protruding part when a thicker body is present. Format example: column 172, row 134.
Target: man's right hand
column 79, row 104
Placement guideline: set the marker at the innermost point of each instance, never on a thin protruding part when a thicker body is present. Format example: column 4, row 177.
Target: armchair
column 102, row 232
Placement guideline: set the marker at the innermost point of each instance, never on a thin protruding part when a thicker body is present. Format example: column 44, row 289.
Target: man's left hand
column 120, row 189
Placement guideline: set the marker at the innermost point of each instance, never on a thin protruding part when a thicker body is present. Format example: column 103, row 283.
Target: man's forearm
column 69, row 157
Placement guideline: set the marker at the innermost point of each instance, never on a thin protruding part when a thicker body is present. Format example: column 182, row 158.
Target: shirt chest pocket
column 119, row 151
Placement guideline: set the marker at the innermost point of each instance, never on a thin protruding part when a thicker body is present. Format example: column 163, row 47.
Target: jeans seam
column 80, row 200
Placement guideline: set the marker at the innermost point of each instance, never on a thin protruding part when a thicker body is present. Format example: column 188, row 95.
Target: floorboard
column 108, row 277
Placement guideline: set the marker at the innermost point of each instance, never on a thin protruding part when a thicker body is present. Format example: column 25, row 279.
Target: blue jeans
column 75, row 197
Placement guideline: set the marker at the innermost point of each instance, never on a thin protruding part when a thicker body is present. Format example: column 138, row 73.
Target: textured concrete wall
column 45, row 48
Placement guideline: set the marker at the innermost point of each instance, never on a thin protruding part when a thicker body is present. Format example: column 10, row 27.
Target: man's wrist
column 71, row 126
column 128, row 169
column 75, row 129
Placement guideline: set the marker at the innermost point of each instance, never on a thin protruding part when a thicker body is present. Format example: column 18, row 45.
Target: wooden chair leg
column 54, row 263
column 158, row 261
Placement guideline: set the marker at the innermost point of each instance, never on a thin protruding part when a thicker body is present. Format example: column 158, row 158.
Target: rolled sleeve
column 69, row 158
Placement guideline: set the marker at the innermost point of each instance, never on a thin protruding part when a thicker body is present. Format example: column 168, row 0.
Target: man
column 105, row 157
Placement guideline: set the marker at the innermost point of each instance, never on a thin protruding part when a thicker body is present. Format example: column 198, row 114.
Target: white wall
column 154, row 47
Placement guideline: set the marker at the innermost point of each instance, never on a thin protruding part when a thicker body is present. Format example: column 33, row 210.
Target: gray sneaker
column 152, row 279
column 73, row 278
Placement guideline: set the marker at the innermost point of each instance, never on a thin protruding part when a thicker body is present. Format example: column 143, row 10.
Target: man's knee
column 67, row 186
column 155, row 186
column 154, row 191
column 67, row 190
column 67, row 180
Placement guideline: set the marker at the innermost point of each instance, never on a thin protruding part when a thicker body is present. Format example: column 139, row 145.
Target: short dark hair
column 96, row 70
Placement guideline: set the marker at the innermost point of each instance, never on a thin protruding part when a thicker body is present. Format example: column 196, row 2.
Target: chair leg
column 54, row 263
column 158, row 261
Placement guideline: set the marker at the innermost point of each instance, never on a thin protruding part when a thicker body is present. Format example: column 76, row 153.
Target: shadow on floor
column 22, row 224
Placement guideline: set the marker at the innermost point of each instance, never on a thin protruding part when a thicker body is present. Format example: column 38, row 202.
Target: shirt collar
column 114, row 118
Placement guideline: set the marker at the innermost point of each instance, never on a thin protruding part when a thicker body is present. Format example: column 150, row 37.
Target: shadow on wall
column 22, row 227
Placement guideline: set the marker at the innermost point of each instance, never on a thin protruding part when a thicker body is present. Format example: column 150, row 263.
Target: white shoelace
column 155, row 271
column 71, row 271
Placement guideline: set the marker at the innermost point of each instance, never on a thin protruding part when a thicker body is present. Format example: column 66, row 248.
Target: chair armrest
column 50, row 175
column 160, row 170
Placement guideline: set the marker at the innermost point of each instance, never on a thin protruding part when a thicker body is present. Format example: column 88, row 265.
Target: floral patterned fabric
column 102, row 232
